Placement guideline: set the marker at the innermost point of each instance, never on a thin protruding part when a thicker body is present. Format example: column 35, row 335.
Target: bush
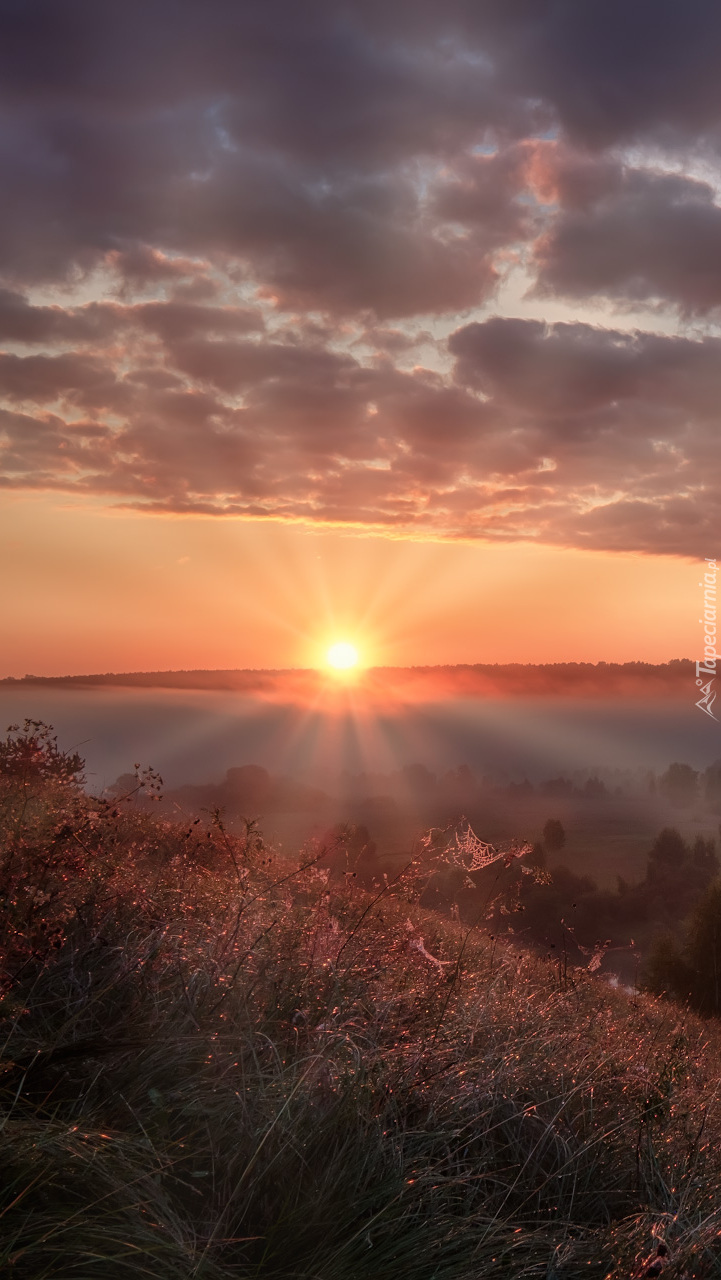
column 31, row 754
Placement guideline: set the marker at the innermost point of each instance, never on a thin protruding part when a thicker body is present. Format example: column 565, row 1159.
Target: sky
column 390, row 322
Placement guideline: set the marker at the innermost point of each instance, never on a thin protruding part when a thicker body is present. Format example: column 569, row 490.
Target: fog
column 377, row 773
column 192, row 736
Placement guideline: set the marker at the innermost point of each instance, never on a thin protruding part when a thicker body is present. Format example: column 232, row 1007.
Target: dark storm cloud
column 227, row 231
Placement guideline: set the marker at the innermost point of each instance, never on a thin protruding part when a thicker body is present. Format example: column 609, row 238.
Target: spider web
column 474, row 854
column 471, row 853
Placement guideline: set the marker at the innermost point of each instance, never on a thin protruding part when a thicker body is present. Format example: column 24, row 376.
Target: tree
column 246, row 789
column 537, row 857
column 676, row 875
column 679, row 784
column 594, row 789
column 704, row 857
column 458, row 786
column 668, row 855
column 691, row 972
column 665, row 971
column 554, row 836
column 703, row 951
column 712, row 785
column 419, row 779
column 558, row 787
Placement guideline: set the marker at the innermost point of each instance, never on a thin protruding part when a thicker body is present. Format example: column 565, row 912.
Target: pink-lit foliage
column 221, row 1062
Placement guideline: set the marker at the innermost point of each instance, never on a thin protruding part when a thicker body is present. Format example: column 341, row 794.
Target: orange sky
column 94, row 589
column 404, row 281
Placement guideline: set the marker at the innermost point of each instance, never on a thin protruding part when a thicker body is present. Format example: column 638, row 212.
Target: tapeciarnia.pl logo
column 707, row 667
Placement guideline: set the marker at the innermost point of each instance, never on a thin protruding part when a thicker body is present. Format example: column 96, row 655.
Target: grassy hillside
column 220, row 1062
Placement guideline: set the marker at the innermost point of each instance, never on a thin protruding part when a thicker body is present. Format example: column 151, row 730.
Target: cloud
column 565, row 433
column 291, row 143
column 330, row 156
column 174, row 321
column 622, row 427
column 610, row 71
column 45, row 378
column 21, row 322
column 233, row 238
column 632, row 235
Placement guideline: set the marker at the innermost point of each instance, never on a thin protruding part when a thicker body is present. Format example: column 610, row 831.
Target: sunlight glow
column 342, row 656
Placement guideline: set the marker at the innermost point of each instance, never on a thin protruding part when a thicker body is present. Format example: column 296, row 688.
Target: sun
column 342, row 656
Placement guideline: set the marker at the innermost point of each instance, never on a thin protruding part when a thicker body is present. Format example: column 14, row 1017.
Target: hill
column 222, row 1062
column 561, row 679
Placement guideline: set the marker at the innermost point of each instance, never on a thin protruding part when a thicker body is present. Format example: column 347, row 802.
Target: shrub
column 31, row 754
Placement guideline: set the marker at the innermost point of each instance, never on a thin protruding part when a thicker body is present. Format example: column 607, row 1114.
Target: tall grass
column 218, row 1062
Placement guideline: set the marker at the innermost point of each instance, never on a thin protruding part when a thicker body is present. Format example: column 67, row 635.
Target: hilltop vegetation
column 222, row 1062
column 578, row 679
